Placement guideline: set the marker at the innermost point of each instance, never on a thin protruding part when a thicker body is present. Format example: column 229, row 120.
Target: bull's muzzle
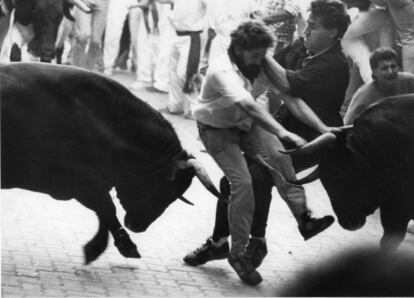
column 352, row 225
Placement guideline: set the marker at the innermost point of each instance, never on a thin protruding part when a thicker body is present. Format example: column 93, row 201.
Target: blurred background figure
column 282, row 16
column 402, row 14
column 88, row 35
column 152, row 48
column 371, row 27
column 189, row 21
column 120, row 11
column 362, row 273
column 224, row 17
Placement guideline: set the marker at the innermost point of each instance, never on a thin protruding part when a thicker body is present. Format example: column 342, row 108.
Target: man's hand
column 292, row 138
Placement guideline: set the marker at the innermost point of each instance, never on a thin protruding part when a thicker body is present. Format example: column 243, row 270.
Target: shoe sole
column 320, row 230
column 219, row 257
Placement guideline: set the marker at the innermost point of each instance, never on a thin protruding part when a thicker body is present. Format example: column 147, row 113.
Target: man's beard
column 250, row 71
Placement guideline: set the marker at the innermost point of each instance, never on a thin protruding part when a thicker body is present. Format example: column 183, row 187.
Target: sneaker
column 242, row 264
column 138, row 85
column 257, row 250
column 207, row 252
column 161, row 87
column 313, row 226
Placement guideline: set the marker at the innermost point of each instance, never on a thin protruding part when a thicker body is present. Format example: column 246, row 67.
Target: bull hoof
column 91, row 252
column 125, row 246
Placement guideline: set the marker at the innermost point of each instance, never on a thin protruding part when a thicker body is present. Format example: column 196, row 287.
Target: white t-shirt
column 225, row 15
column 224, row 86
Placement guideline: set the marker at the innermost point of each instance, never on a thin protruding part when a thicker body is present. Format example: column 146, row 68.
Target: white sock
column 219, row 243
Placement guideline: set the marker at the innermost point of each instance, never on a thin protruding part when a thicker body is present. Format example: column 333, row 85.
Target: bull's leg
column 123, row 242
column 395, row 227
column 105, row 210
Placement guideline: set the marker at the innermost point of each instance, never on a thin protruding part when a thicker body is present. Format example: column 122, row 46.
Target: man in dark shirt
column 315, row 70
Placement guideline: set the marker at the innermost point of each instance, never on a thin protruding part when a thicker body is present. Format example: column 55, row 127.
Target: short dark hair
column 251, row 35
column 332, row 14
column 381, row 54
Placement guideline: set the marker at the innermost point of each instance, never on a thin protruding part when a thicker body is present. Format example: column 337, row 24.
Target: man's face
column 318, row 38
column 386, row 74
column 251, row 60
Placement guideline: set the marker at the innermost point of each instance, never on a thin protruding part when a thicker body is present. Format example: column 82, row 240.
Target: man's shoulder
column 408, row 76
column 367, row 90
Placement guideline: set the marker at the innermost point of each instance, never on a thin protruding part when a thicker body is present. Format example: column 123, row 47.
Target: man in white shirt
column 189, row 21
column 231, row 122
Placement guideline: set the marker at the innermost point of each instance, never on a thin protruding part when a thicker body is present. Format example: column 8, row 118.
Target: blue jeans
column 226, row 146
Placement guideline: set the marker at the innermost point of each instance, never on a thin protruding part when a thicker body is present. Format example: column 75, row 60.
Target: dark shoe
column 313, row 226
column 242, row 264
column 207, row 252
column 257, row 250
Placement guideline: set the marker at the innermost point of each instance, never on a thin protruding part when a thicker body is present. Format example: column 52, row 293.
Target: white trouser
column 408, row 59
column 178, row 101
column 161, row 78
column 153, row 49
column 118, row 11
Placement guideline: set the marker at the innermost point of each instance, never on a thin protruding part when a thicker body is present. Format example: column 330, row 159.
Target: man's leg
column 117, row 13
column 259, row 141
column 82, row 33
column 216, row 246
column 95, row 54
column 223, row 146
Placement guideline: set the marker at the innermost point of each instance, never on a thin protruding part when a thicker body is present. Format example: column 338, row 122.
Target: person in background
column 281, row 15
column 224, row 17
column 402, row 13
column 387, row 81
column 148, row 45
column 189, row 21
column 88, row 33
column 371, row 27
column 118, row 12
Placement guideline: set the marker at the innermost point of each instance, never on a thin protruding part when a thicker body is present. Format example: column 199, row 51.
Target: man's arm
column 276, row 73
column 304, row 113
column 258, row 113
column 277, row 17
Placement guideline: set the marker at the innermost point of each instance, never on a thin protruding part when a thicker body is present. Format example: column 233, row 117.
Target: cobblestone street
column 42, row 240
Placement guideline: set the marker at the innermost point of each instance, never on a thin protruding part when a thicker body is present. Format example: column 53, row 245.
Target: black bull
column 370, row 166
column 45, row 17
column 71, row 133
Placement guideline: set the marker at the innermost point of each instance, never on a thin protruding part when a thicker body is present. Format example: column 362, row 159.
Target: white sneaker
column 161, row 87
column 139, row 85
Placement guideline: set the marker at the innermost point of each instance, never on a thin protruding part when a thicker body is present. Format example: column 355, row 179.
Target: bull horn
column 204, row 178
column 314, row 175
column 81, row 5
column 182, row 198
column 323, row 141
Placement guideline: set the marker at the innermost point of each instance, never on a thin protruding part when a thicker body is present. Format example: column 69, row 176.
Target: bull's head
column 344, row 174
column 144, row 205
column 45, row 16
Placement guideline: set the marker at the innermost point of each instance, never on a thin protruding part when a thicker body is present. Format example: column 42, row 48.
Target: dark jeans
column 262, row 188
